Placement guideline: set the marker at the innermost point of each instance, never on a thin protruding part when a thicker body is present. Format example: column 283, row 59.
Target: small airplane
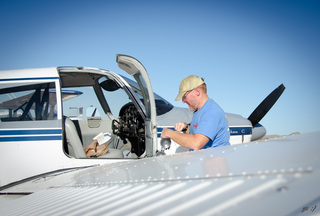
column 43, row 118
column 49, row 115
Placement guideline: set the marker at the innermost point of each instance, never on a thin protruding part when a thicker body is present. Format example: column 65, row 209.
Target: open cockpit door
column 133, row 67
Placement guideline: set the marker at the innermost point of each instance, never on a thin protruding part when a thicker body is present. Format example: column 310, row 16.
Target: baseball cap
column 187, row 84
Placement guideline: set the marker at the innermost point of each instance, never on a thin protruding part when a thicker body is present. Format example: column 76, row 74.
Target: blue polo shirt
column 211, row 121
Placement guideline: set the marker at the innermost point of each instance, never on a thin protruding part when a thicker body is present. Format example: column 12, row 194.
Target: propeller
column 266, row 105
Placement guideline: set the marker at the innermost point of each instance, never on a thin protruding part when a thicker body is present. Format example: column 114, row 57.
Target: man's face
column 190, row 99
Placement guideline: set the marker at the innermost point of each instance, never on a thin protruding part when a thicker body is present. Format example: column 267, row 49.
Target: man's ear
column 197, row 91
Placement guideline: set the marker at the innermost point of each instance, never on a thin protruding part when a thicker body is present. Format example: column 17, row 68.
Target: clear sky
column 243, row 49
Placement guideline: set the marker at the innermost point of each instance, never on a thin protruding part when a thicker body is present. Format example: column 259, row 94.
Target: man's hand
column 180, row 126
column 164, row 133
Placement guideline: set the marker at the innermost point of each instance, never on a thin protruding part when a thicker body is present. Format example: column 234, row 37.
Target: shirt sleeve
column 208, row 124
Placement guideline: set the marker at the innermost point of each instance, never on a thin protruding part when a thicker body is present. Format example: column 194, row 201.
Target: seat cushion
column 113, row 153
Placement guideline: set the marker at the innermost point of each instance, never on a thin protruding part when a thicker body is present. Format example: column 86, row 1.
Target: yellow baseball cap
column 187, row 84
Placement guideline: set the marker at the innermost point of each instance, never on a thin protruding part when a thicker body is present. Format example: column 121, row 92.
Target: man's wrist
column 186, row 128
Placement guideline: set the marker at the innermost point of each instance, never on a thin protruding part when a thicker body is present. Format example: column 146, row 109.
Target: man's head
column 193, row 92
column 187, row 84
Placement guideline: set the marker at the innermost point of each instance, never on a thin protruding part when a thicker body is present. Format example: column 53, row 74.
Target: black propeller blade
column 266, row 105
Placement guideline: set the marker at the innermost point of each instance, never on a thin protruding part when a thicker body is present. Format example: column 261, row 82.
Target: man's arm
column 190, row 141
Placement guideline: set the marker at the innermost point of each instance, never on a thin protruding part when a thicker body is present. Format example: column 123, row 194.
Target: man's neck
column 202, row 101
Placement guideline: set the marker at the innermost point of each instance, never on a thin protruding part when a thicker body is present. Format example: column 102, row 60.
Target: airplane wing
column 274, row 177
column 69, row 94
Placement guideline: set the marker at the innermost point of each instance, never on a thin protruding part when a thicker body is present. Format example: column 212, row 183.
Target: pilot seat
column 75, row 147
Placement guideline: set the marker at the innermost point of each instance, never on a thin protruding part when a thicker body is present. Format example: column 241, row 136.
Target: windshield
column 162, row 105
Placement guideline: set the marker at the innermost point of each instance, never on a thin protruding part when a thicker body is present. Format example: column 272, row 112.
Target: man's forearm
column 190, row 141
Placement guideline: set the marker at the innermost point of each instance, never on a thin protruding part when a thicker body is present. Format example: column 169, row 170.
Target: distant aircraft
column 49, row 115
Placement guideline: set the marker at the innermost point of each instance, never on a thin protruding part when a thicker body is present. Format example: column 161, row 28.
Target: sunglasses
column 186, row 94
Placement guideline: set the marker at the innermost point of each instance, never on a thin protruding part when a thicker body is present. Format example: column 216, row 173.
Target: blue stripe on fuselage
column 234, row 131
column 30, row 135
column 240, row 131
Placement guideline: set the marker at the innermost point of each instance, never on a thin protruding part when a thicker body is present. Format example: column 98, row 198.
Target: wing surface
column 274, row 177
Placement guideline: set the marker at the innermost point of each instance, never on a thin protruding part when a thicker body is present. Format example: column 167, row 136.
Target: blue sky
column 243, row 49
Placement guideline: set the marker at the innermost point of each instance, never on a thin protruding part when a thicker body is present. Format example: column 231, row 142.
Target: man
column 209, row 126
